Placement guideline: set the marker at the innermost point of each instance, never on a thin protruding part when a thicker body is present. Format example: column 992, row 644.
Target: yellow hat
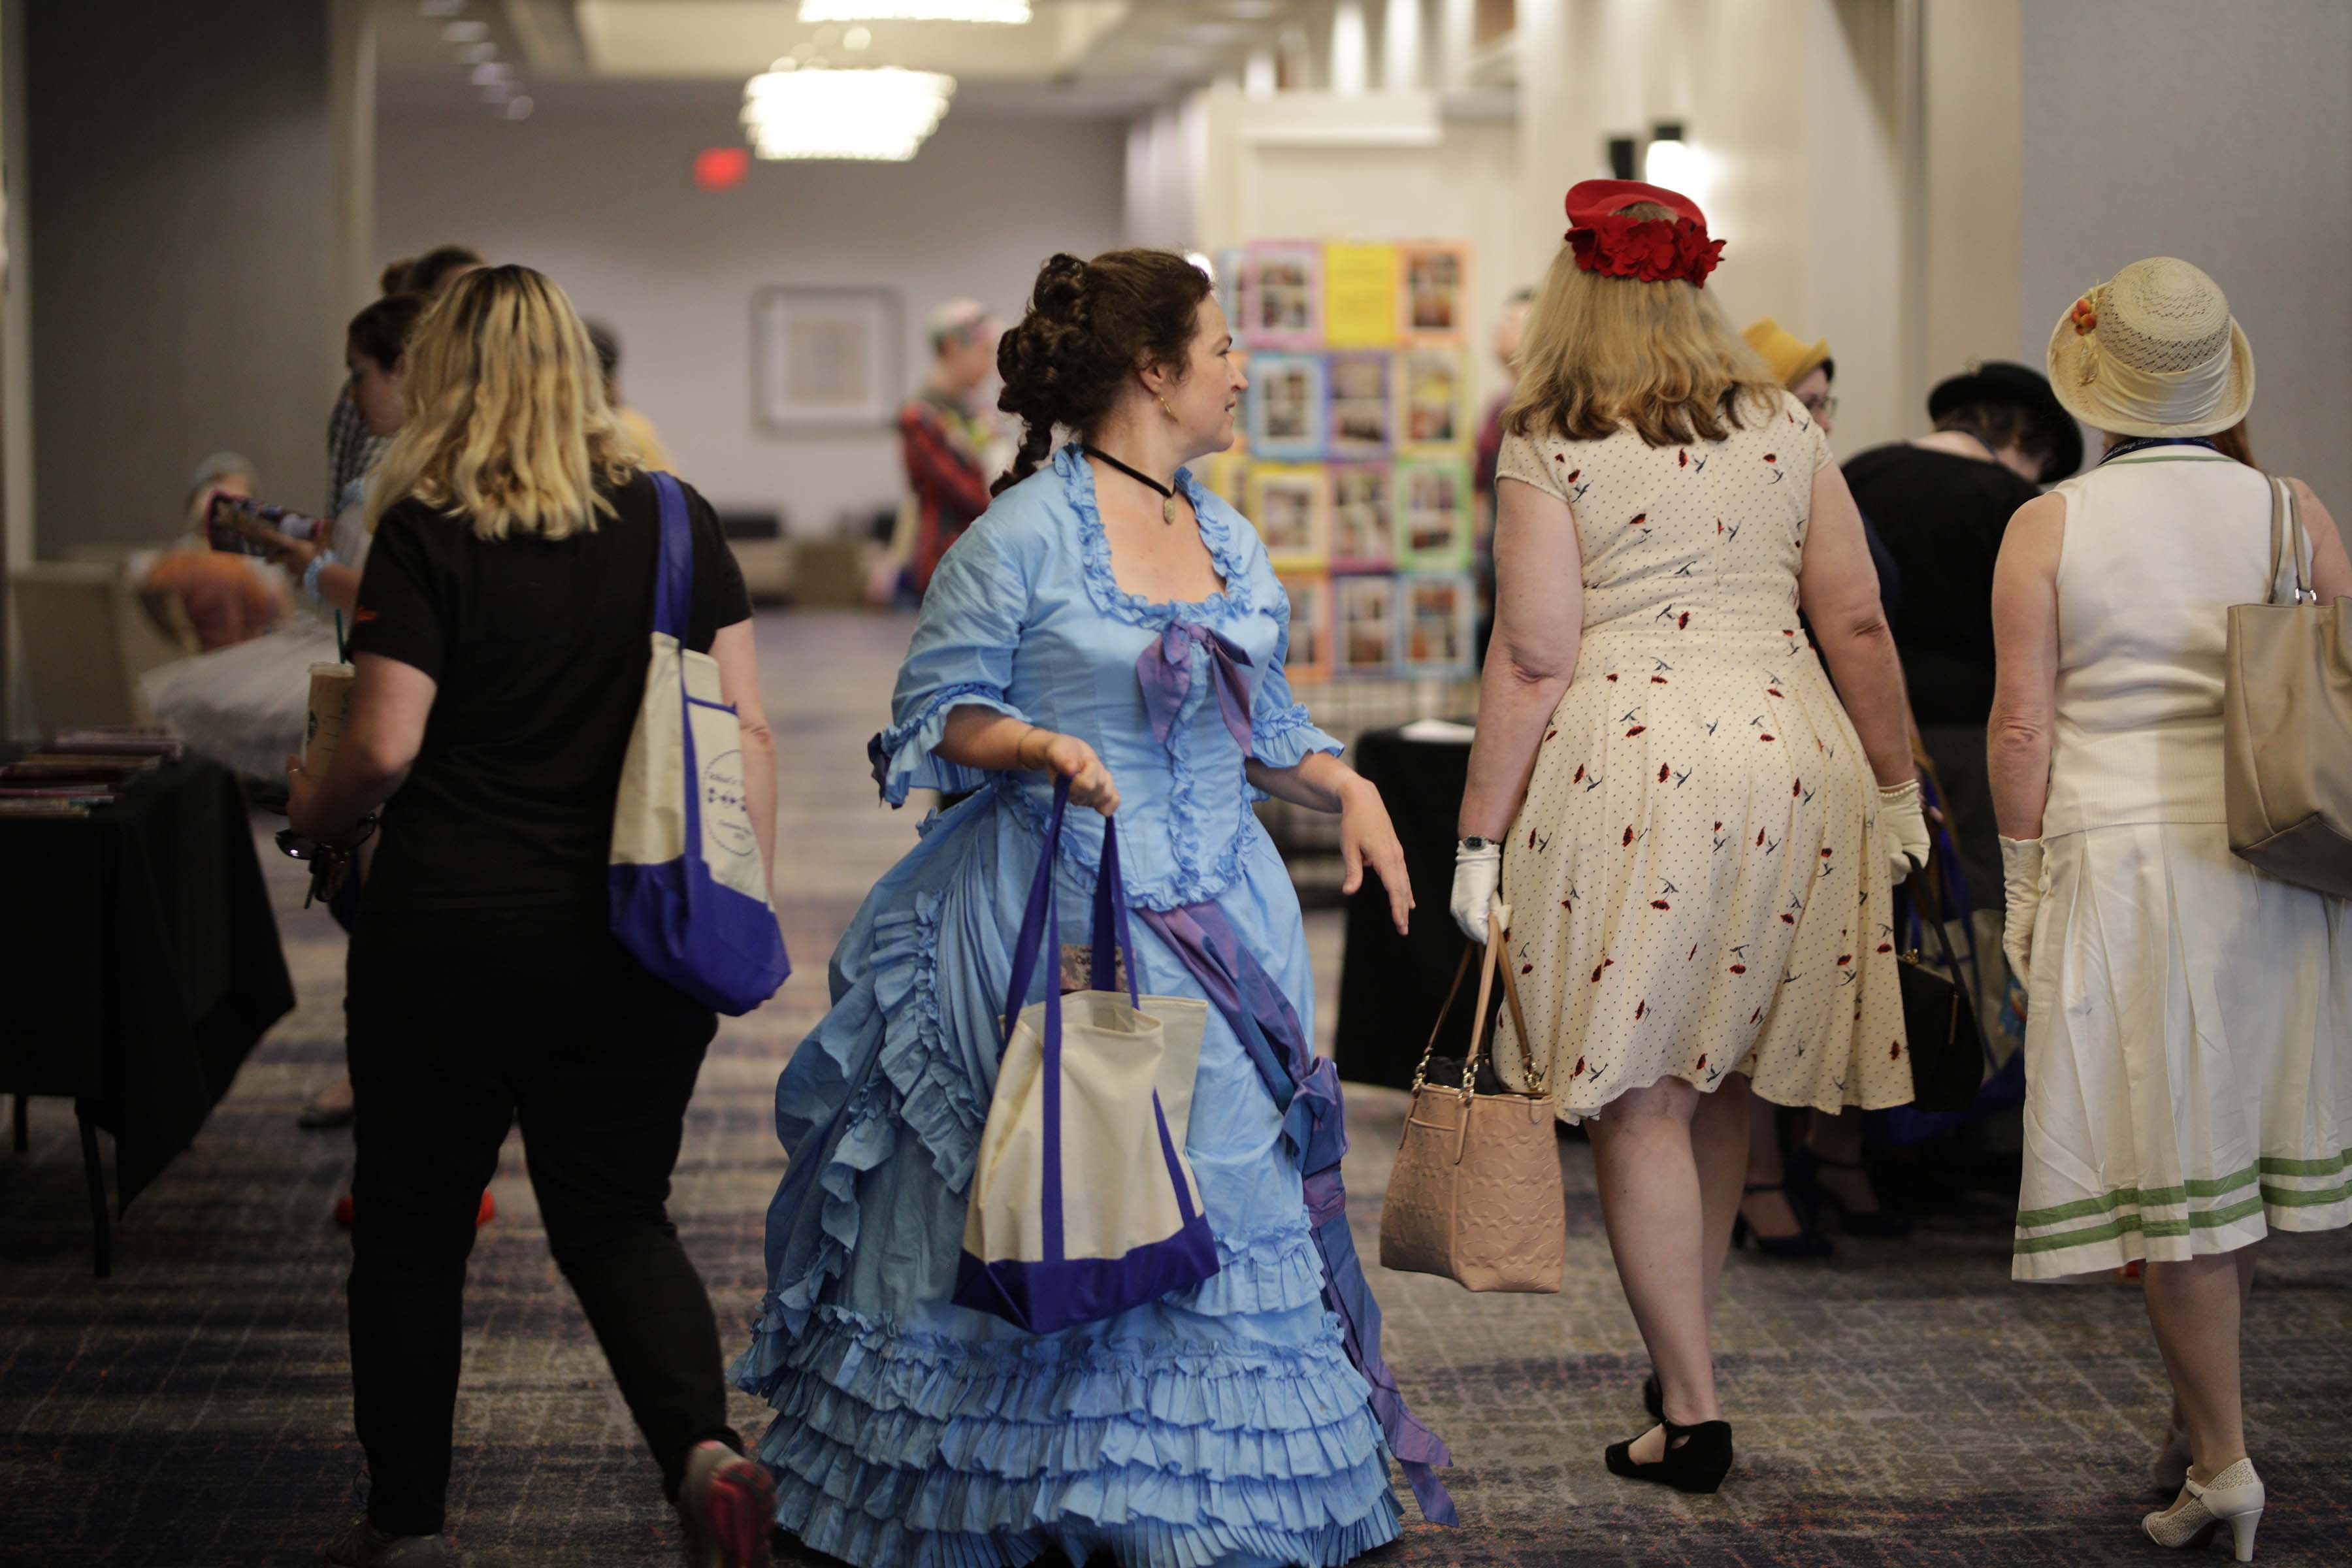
column 1784, row 353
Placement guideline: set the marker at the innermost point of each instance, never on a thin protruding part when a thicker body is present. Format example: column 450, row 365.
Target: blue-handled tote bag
column 689, row 890
column 1082, row 1204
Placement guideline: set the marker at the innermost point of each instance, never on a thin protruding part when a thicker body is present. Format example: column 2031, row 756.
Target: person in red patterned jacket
column 944, row 441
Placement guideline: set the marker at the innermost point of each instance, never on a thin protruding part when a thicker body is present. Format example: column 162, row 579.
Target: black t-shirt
column 540, row 648
column 1942, row 518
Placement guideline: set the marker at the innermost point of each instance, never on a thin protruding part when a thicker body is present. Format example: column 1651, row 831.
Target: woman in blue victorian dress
column 1109, row 623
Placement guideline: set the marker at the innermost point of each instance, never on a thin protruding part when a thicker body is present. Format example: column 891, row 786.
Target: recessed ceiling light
column 833, row 114
column 464, row 32
column 1005, row 13
column 520, row 106
column 495, row 70
column 857, row 40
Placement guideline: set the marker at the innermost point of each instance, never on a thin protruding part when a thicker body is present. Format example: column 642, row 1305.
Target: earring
column 1165, row 409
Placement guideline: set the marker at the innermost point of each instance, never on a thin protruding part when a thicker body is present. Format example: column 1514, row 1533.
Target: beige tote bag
column 2286, row 717
column 1476, row 1193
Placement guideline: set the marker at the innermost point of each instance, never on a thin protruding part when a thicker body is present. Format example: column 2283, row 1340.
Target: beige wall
column 1968, row 166
column 595, row 189
column 2219, row 131
column 182, row 213
column 1260, row 179
column 1795, row 105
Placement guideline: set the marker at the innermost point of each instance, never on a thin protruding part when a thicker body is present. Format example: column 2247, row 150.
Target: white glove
column 2021, row 888
column 1903, row 826
column 1477, row 874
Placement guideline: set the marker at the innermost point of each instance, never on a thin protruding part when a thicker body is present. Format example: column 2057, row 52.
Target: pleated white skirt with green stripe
column 2188, row 1054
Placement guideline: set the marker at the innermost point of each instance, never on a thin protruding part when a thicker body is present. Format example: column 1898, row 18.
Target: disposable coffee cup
column 331, row 705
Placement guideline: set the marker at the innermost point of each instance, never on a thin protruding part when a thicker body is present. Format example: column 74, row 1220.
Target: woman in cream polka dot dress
column 1693, row 837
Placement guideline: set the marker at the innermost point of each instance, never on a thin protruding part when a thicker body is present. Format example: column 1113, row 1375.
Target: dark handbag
column 1948, row 1051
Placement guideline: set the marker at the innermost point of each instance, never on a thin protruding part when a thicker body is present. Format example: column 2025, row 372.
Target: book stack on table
column 81, row 769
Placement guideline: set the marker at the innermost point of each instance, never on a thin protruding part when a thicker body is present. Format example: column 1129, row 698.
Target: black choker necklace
column 1167, row 492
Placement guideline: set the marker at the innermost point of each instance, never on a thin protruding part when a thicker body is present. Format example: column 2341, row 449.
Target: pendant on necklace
column 1168, row 511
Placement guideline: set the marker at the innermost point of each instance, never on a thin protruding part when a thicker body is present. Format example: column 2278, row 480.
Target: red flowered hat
column 1608, row 242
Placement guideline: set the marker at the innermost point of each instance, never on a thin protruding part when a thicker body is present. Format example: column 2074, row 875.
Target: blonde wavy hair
column 1603, row 352
column 506, row 420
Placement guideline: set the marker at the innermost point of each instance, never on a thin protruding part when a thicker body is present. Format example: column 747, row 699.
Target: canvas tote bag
column 2286, row 718
column 1476, row 1192
column 688, row 890
column 1082, row 1204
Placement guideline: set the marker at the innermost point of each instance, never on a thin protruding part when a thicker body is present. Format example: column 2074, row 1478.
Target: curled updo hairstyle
column 1089, row 326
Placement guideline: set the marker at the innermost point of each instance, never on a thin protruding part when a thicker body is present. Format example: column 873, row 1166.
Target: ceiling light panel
column 994, row 13
column 868, row 115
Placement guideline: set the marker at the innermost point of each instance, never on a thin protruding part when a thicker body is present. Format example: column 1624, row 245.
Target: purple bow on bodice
column 1166, row 672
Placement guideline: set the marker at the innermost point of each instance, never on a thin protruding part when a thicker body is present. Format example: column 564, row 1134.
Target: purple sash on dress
column 1305, row 1087
column 1166, row 672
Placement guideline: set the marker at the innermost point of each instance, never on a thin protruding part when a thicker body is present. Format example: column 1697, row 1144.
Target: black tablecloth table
column 1390, row 986
column 145, row 966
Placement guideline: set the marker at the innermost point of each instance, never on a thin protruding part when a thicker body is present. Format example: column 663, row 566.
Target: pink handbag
column 1476, row 1192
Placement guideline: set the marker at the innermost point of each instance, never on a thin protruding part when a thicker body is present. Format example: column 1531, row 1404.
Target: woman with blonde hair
column 2189, row 1040
column 502, row 638
column 1692, row 836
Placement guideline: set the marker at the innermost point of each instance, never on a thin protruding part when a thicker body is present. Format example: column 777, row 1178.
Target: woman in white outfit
column 2188, row 1037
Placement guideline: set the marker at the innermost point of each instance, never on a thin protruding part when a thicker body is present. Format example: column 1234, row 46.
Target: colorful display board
column 1354, row 460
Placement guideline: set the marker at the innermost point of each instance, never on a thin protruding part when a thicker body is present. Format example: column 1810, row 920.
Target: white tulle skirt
column 245, row 705
column 2188, row 1054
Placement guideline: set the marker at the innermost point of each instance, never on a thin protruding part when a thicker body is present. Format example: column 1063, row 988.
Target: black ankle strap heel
column 1696, row 1460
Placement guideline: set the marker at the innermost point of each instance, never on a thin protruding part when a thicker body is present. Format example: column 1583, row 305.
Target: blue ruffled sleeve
column 962, row 656
column 1281, row 733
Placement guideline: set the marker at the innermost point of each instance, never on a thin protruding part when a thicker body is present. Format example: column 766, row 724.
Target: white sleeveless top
column 2159, row 545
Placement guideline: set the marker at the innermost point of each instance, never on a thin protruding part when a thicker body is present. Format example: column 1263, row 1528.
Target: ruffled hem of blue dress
column 918, row 1087
column 1094, row 550
column 896, row 1445
column 904, row 755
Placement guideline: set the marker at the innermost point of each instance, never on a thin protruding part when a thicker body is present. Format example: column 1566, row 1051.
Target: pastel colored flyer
column 1360, row 296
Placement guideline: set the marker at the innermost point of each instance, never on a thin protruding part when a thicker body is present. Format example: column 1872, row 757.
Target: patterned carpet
column 1903, row 1403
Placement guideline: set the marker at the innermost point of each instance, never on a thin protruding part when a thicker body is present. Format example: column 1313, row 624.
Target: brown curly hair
column 1089, row 326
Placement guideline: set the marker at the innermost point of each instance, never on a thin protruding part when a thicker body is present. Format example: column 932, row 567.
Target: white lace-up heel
column 2233, row 1498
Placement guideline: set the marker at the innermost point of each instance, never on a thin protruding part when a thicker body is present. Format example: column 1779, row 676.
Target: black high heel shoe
column 1805, row 1168
column 1696, row 1460
column 1808, row 1242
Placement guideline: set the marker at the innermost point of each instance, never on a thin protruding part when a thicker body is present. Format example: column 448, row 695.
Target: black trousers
column 460, row 1024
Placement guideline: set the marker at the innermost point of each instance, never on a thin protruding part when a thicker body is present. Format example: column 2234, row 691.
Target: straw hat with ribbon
column 2153, row 351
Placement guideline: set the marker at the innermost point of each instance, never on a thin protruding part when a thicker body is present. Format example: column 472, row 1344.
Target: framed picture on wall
column 1286, row 410
column 826, row 359
column 1365, row 625
column 1311, row 626
column 1439, row 623
column 1363, row 417
column 1225, row 473
column 1433, row 514
column 1435, row 299
column 1282, row 295
column 1363, row 516
column 1434, row 401
column 1292, row 509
